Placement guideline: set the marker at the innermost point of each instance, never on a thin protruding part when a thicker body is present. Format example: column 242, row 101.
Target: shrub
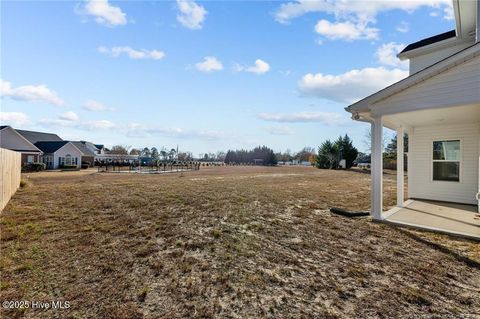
column 23, row 183
column 34, row 167
column 68, row 166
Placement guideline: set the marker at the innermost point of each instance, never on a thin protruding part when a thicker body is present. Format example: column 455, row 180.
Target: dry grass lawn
column 241, row 242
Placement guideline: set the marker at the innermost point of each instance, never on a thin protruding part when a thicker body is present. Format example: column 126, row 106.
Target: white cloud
column 101, row 124
column 13, row 118
column 132, row 53
column 260, row 67
column 191, row 14
column 448, row 13
column 94, row 106
column 70, row 119
column 346, row 30
column 31, row 93
column 104, row 12
column 387, row 55
column 352, row 10
column 209, row 64
column 353, row 19
column 403, row 27
column 139, row 130
column 328, row 118
column 280, row 130
column 69, row 116
column 351, row 86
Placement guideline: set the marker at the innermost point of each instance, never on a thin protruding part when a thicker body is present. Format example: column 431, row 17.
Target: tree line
column 306, row 154
column 260, row 155
column 328, row 156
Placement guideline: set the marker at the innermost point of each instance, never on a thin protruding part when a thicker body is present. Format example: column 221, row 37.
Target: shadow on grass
column 437, row 246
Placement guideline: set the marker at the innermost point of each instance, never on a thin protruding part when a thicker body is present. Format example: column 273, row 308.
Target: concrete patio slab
column 450, row 218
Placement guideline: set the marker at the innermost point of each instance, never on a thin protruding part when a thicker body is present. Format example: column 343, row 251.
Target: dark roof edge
column 430, row 40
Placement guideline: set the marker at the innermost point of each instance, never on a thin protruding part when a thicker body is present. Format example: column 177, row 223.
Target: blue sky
column 208, row 76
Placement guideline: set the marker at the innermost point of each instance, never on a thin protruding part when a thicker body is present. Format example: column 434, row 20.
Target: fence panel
column 11, row 168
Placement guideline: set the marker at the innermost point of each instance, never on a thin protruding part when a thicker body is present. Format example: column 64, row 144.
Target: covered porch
column 443, row 176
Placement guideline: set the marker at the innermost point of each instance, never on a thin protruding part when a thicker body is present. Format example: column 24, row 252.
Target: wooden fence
column 11, row 167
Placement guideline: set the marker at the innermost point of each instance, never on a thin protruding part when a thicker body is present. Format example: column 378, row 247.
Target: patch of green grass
column 142, row 294
column 216, row 233
column 87, row 228
column 256, row 226
column 416, row 296
column 23, row 183
column 25, row 267
column 30, row 228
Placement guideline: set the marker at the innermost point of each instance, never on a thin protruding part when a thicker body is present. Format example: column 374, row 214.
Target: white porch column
column 400, row 166
column 377, row 168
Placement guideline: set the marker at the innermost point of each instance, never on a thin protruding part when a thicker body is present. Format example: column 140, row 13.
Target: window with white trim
column 446, row 160
column 68, row 159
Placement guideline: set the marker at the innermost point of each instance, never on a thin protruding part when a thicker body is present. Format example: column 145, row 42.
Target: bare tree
column 119, row 150
column 367, row 141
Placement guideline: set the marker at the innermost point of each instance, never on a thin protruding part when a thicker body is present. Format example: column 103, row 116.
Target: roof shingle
column 51, row 146
column 34, row 137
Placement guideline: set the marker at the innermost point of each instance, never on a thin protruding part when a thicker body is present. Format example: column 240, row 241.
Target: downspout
column 477, row 29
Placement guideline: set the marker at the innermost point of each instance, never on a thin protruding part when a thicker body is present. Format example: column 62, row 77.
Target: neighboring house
column 89, row 151
column 49, row 148
column 101, row 149
column 14, row 141
column 438, row 106
column 57, row 154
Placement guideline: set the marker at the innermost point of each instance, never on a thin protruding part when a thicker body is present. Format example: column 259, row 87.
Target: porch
column 450, row 218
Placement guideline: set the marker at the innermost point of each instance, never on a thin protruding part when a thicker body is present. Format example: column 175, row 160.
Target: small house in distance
column 59, row 154
column 89, row 151
column 438, row 106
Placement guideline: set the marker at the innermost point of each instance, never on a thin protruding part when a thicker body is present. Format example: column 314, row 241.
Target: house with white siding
column 438, row 107
column 60, row 154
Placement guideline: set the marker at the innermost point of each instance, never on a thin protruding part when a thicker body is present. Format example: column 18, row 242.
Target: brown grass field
column 226, row 242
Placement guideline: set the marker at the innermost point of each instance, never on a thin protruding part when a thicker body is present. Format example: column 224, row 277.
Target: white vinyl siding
column 422, row 61
column 420, row 169
column 67, row 149
column 458, row 86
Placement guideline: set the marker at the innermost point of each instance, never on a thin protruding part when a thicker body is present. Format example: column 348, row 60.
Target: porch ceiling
column 450, row 115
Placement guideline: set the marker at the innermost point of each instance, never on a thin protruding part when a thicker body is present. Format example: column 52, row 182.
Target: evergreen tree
column 260, row 154
column 346, row 150
column 154, row 154
column 145, row 152
column 327, row 155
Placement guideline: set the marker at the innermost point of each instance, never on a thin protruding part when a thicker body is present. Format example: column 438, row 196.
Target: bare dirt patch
column 234, row 242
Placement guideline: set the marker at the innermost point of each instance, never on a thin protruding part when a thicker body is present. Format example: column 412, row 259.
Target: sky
column 206, row 75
